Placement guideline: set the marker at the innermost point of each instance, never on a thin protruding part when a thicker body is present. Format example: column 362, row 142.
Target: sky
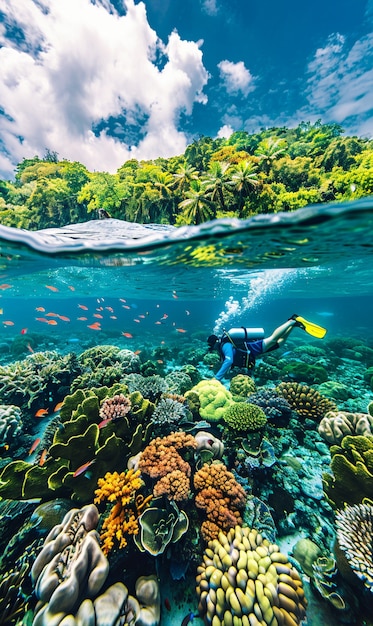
column 101, row 82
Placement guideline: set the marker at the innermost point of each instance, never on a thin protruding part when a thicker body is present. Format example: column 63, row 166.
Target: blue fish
column 187, row 619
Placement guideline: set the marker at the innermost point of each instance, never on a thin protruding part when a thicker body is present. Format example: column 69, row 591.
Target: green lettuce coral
column 245, row 416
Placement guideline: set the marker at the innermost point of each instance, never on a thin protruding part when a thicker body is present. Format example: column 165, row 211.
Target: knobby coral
column 115, row 407
column 244, row 579
column 220, row 496
column 355, row 539
column 122, row 520
column 305, row 400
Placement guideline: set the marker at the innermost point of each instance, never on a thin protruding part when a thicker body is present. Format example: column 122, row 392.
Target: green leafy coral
column 81, row 440
column 245, row 416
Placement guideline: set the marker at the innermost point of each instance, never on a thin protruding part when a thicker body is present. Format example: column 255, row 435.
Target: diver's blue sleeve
column 228, row 353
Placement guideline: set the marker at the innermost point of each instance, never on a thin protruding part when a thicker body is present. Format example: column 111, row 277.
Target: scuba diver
column 239, row 347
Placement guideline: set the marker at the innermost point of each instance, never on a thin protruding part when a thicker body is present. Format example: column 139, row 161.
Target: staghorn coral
column 115, row 407
column 150, row 387
column 355, row 540
column 245, row 416
column 220, row 496
column 10, row 422
column 71, row 562
column 214, row 399
column 274, row 406
column 245, row 579
column 305, row 400
column 352, row 467
column 337, row 424
column 122, row 520
column 241, row 386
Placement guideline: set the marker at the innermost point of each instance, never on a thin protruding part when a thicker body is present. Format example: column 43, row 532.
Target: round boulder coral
column 245, row 579
column 245, row 416
column 214, row 399
column 242, row 386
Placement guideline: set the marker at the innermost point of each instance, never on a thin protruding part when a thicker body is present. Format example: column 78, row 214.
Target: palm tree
column 244, row 179
column 217, row 181
column 269, row 150
column 197, row 207
column 184, row 176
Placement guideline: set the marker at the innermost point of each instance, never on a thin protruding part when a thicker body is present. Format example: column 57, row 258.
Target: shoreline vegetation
column 277, row 169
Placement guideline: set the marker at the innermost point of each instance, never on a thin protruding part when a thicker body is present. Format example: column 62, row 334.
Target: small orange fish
column 109, row 308
column 52, row 322
column 113, row 317
column 41, row 412
column 34, row 445
column 8, row 323
column 51, row 315
column 174, row 295
column 160, row 361
column 136, row 320
column 29, row 348
column 41, row 309
column 82, row 319
column 181, row 330
column 95, row 326
column 128, row 335
column 122, row 300
column 125, row 306
column 51, row 287
column 83, row 306
column 64, row 318
column 137, row 352
column 43, row 457
column 5, row 286
column 164, row 316
column 41, row 319
column 142, row 317
column 98, row 315
column 83, row 468
column 23, row 331
column 158, row 322
column 71, row 287
column 57, row 407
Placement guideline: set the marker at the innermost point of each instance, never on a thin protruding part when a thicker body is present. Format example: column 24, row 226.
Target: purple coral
column 273, row 405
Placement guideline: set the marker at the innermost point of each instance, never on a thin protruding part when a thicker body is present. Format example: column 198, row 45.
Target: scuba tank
column 244, row 334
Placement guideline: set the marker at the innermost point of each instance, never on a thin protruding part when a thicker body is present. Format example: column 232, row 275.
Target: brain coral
column 305, row 400
column 245, row 416
column 337, row 424
column 244, row 579
column 214, row 399
column 242, row 386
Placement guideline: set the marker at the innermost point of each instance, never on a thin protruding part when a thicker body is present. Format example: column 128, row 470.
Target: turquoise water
column 159, row 292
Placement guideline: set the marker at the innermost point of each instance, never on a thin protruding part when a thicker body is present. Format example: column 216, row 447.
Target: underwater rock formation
column 245, row 577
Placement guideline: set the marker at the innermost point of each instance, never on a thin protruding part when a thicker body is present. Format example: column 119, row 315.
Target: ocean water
column 150, row 288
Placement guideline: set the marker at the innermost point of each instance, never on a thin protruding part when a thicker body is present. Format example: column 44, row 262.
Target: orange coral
column 122, row 519
column 220, row 496
column 161, row 456
column 175, row 485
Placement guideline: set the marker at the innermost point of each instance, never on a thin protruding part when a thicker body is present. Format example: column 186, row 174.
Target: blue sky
column 101, row 82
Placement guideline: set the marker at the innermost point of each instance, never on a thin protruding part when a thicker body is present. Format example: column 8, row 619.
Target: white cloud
column 225, row 132
column 78, row 64
column 340, row 84
column 236, row 77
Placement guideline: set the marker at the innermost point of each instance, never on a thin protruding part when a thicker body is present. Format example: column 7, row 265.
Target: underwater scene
column 135, row 486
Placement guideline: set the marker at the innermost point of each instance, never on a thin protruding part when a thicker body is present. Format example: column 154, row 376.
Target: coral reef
column 179, row 381
column 337, row 424
column 13, row 601
column 221, row 498
column 305, row 400
column 167, row 415
column 245, row 577
column 122, row 520
column 245, row 416
column 304, row 372
column 69, row 565
column 148, row 595
column 115, row 407
column 82, row 451
column 10, row 422
column 150, row 387
column 355, row 541
column 214, row 399
column 352, row 467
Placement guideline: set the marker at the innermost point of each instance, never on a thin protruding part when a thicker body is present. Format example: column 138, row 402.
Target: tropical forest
column 276, row 169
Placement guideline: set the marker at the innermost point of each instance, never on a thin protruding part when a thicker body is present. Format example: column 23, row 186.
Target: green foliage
column 276, row 169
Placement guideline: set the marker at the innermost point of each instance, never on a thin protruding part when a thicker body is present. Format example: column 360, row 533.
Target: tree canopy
column 277, row 169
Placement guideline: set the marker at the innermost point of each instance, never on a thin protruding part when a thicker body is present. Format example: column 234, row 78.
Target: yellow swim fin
column 311, row 328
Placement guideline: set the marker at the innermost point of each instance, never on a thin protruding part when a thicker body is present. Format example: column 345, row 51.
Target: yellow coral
column 122, row 519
